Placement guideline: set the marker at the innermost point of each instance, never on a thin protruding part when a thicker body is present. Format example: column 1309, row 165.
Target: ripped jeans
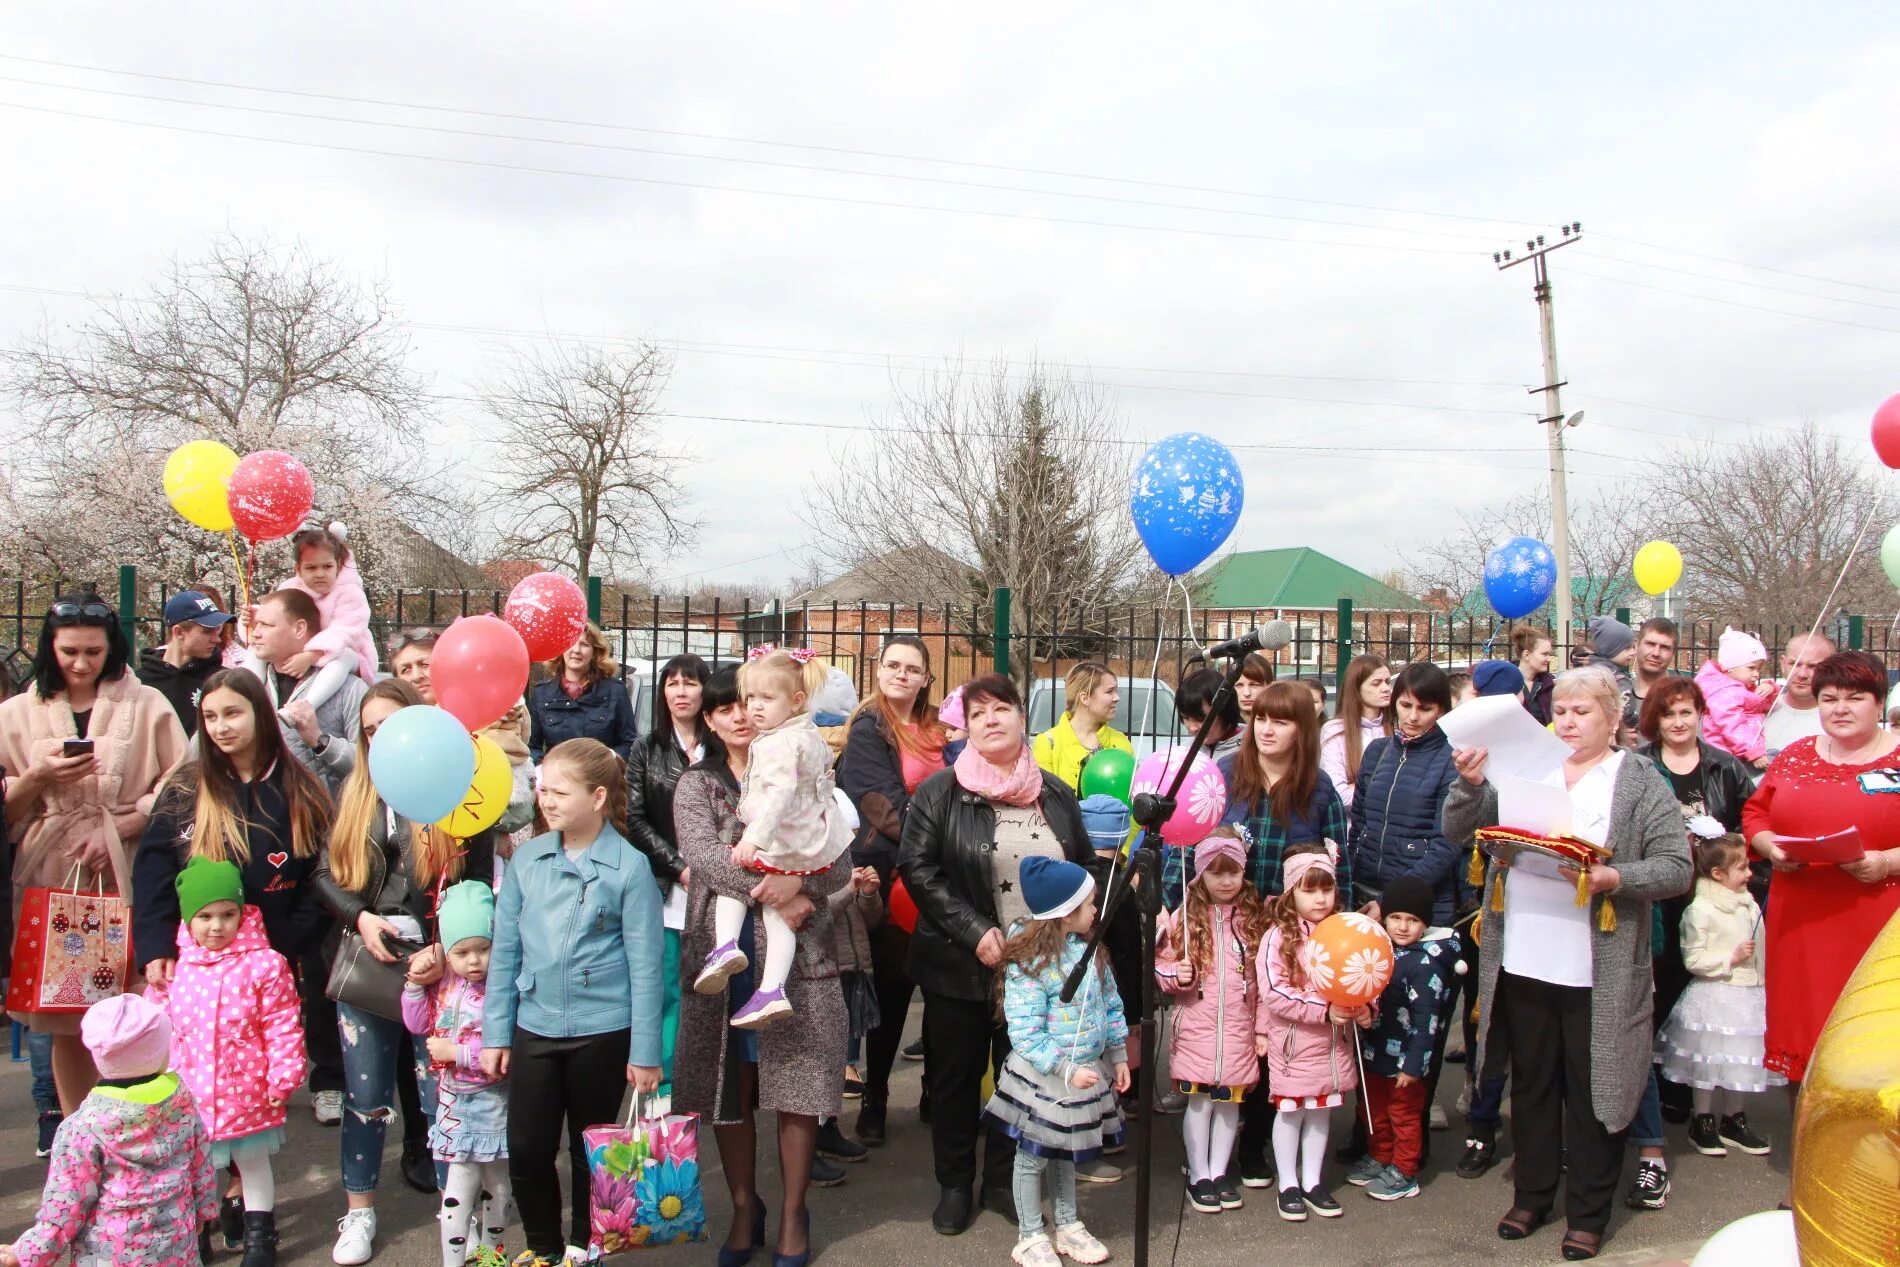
column 370, row 1050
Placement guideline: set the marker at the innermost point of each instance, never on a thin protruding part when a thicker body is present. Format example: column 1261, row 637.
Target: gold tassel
column 1606, row 916
column 1474, row 874
column 1477, row 929
column 1497, row 890
column 1583, row 886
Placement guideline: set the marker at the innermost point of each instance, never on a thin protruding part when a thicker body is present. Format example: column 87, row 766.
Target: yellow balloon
column 1658, row 567
column 1847, row 1125
column 197, row 479
column 487, row 794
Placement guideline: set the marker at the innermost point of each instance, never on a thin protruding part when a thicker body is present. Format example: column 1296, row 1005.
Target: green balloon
column 1890, row 554
column 1109, row 772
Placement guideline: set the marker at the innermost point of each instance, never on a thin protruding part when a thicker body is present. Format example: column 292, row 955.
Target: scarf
column 1021, row 786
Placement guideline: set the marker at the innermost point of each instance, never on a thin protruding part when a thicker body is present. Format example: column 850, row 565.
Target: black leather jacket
column 653, row 770
column 1726, row 782
column 391, row 888
column 949, row 838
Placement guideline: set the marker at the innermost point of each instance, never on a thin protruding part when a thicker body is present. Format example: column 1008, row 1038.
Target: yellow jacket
column 1059, row 750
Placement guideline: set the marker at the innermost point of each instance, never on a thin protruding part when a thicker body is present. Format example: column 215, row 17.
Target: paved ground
column 882, row 1214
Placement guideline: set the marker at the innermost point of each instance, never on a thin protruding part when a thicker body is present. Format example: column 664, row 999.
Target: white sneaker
column 1035, row 1252
column 1438, row 1119
column 327, row 1108
column 578, row 1257
column 355, row 1238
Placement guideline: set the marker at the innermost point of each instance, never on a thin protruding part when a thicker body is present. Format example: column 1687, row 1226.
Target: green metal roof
column 1589, row 596
column 1300, row 578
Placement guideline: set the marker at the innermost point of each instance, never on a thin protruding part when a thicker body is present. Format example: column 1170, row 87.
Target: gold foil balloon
column 1847, row 1128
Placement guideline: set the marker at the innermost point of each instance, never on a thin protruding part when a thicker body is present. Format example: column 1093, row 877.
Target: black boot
column 231, row 1223
column 260, row 1239
column 954, row 1213
column 871, row 1122
column 204, row 1242
column 418, row 1168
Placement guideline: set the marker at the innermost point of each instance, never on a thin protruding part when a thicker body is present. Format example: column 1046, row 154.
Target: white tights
column 472, row 1187
column 780, row 941
column 252, row 1160
column 1300, row 1135
column 1209, row 1129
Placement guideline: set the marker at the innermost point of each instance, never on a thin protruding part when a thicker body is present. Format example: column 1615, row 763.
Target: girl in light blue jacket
column 573, row 984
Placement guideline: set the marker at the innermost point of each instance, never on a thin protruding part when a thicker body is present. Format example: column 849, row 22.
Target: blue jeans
column 1646, row 1131
column 370, row 1047
column 39, row 1051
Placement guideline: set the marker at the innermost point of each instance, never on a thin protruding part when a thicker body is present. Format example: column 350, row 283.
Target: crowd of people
column 735, row 902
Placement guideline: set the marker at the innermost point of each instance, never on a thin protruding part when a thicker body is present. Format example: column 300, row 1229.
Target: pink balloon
column 548, row 611
column 269, row 494
column 479, row 670
column 1203, row 797
column 1887, row 432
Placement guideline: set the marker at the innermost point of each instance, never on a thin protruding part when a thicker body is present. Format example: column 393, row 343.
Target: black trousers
column 961, row 1041
column 1548, row 1029
column 321, row 1037
column 579, row 1081
column 1256, row 1120
column 889, row 947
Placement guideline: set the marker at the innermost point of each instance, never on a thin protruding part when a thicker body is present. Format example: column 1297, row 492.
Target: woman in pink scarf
column 965, row 837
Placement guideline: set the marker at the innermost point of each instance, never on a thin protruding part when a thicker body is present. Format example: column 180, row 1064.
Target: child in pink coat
column 1205, row 960
column 130, row 1180
column 237, row 1040
column 1735, row 697
column 327, row 572
column 1307, row 1042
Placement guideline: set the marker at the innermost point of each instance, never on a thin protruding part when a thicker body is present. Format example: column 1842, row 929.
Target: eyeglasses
column 93, row 610
column 418, row 637
column 905, row 670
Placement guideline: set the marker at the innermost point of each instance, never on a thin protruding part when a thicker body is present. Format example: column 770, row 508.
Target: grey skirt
column 1049, row 1118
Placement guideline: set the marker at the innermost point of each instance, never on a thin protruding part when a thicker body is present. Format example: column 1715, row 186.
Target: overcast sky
column 1315, row 303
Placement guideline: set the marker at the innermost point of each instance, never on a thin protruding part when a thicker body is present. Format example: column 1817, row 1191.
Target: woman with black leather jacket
column 677, row 738
column 967, row 833
column 376, row 881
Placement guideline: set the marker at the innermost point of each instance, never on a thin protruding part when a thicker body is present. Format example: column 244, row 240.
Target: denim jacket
column 577, row 946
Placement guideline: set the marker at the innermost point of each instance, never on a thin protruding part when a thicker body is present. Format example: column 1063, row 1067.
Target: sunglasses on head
column 413, row 638
column 91, row 610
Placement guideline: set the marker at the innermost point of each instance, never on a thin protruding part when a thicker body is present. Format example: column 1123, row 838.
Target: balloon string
column 1365, row 1101
column 1880, row 499
column 237, row 566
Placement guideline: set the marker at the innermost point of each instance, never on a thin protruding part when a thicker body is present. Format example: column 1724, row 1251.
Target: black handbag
column 365, row 982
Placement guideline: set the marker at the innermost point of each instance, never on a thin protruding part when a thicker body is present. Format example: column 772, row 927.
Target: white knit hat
column 1738, row 648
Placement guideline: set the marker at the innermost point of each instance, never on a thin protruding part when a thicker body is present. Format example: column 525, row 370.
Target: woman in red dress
column 1821, row 919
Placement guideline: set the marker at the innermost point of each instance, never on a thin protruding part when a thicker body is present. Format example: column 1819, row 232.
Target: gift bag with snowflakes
column 644, row 1179
column 71, row 949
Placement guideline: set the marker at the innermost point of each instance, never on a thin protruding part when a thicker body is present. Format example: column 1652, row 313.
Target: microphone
column 1271, row 636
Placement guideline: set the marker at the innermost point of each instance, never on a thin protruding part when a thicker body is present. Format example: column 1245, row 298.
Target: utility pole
column 1535, row 251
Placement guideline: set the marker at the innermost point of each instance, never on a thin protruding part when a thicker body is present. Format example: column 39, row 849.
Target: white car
column 1148, row 731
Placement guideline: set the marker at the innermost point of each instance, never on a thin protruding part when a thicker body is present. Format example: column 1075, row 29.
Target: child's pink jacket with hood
column 1733, row 717
column 1308, row 1057
column 345, row 612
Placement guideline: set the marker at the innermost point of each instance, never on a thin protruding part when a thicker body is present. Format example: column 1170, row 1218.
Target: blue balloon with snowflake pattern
column 1185, row 499
column 1519, row 576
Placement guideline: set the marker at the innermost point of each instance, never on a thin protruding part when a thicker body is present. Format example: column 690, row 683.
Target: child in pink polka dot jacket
column 237, row 1041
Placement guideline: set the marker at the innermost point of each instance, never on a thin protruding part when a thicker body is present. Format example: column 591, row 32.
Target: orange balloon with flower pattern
column 1348, row 959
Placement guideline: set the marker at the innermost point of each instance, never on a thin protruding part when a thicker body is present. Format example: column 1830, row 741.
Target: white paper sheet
column 673, row 911
column 1525, row 762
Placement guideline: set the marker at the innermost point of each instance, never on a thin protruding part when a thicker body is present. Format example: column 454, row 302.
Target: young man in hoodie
column 194, row 629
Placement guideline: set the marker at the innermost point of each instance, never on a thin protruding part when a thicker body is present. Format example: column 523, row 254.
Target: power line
column 726, row 158
column 1765, row 268
column 743, row 140
column 1733, row 303
column 1736, row 281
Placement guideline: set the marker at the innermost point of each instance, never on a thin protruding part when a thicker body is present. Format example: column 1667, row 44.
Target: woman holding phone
column 84, row 752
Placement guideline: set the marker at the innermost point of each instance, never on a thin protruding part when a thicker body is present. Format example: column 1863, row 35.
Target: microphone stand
column 1141, row 871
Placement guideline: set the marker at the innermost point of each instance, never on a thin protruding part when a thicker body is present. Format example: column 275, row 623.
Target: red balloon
column 548, row 611
column 479, row 670
column 1887, row 432
column 903, row 910
column 270, row 493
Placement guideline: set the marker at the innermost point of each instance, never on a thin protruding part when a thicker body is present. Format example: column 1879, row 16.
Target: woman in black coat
column 965, row 838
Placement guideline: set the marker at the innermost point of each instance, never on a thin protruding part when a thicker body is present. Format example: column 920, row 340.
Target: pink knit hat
column 950, row 712
column 127, row 1036
column 1217, row 847
column 1737, row 648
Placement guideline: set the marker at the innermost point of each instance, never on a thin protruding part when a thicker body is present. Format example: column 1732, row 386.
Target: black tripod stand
column 1140, row 872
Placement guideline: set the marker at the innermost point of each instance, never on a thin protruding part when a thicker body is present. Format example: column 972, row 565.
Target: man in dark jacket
column 193, row 645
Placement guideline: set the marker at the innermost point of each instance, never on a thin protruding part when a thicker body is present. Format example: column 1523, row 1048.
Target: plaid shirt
column 1324, row 819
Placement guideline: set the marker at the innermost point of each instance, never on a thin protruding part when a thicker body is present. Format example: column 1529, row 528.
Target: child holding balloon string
column 1305, row 1039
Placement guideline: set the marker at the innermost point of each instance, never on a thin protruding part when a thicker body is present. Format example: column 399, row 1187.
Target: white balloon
column 1760, row 1240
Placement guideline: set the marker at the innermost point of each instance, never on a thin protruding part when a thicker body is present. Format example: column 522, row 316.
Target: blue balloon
column 1185, row 500
column 1519, row 576
column 422, row 762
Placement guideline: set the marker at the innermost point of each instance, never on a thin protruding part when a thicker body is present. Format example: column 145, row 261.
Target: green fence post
column 129, row 606
column 999, row 627
column 593, row 599
column 1623, row 614
column 1856, row 632
column 1343, row 635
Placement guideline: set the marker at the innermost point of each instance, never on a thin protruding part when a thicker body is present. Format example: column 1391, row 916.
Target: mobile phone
column 76, row 748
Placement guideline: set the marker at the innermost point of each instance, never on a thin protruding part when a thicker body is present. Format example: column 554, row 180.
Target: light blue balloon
column 1185, row 499
column 1519, row 576
column 422, row 762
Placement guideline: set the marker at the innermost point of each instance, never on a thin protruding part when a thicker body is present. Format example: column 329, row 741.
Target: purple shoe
column 761, row 1010
column 720, row 964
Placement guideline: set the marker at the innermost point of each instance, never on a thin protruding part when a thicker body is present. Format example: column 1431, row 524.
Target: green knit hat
column 203, row 882
column 467, row 910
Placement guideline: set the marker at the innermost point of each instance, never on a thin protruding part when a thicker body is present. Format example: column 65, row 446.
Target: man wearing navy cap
column 193, row 651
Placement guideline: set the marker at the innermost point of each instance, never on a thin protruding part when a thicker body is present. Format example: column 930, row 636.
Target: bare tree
column 586, row 481
column 1767, row 525
column 1607, row 527
column 257, row 345
column 1014, row 476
